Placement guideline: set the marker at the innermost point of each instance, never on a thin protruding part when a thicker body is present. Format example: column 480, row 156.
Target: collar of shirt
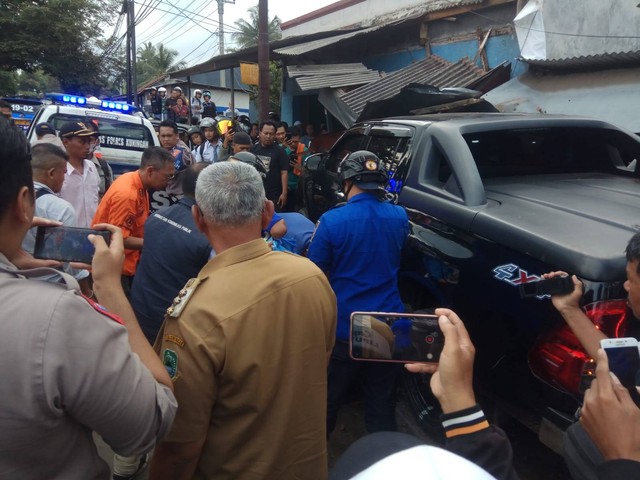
column 88, row 165
column 237, row 254
column 39, row 186
column 363, row 197
column 187, row 201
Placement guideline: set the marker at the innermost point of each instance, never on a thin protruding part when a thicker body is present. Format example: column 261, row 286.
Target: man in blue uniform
column 358, row 246
column 174, row 252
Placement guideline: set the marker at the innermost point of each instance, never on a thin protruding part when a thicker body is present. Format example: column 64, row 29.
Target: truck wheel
column 424, row 406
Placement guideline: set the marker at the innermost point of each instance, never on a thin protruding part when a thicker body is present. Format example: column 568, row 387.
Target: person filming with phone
column 583, row 441
column 75, row 366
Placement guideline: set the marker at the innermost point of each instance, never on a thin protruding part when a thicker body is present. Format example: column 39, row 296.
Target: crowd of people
column 216, row 351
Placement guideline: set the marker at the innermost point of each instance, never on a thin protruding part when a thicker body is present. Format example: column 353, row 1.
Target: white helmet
column 162, row 90
column 177, row 89
column 197, row 91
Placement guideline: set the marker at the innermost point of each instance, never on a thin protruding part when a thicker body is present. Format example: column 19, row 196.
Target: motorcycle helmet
column 250, row 159
column 162, row 90
column 153, row 89
column 177, row 89
column 192, row 130
column 197, row 91
column 364, row 169
column 207, row 122
column 206, row 93
column 243, row 123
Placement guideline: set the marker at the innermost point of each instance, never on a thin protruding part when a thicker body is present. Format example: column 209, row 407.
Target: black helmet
column 251, row 159
column 243, row 123
column 364, row 169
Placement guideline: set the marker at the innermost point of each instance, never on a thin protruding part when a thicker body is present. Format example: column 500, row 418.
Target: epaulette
column 183, row 298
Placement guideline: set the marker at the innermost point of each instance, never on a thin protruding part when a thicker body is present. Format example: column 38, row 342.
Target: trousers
column 378, row 381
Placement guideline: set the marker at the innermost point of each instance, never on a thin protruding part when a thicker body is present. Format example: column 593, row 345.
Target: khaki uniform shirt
column 67, row 370
column 247, row 346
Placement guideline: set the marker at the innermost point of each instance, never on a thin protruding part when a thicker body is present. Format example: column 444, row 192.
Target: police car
column 124, row 134
column 23, row 109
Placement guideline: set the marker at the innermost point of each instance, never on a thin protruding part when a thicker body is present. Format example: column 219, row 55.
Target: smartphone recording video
column 395, row 337
column 624, row 362
column 67, row 244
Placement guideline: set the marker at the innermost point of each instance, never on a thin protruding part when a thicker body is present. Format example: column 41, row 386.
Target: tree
column 247, row 34
column 56, row 36
column 153, row 61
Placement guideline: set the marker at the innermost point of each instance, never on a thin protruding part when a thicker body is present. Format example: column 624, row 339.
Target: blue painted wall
column 498, row 49
column 390, row 62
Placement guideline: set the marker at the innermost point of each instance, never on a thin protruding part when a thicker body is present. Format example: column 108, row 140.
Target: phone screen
column 395, row 337
column 625, row 363
column 67, row 244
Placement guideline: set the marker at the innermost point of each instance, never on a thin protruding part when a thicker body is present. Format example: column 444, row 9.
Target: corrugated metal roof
column 302, row 48
column 438, row 5
column 432, row 70
column 604, row 60
column 325, row 69
column 334, row 75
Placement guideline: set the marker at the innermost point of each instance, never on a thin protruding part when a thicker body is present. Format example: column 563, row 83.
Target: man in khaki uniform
column 247, row 344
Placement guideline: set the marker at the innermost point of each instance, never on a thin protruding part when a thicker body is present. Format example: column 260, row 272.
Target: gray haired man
column 246, row 344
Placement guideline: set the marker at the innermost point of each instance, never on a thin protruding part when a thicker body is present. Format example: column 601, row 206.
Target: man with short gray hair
column 246, row 344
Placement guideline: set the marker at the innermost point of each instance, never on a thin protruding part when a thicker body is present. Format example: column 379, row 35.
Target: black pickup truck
column 496, row 200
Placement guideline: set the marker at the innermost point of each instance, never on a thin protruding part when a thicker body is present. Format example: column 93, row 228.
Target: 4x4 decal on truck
column 514, row 275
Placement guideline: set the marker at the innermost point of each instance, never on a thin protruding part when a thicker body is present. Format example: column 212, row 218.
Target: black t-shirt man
column 276, row 161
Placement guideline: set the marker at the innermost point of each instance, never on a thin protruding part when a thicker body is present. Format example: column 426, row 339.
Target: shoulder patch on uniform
column 173, row 339
column 170, row 362
column 102, row 310
column 183, row 298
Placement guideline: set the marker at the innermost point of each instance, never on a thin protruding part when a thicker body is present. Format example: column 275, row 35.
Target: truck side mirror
column 314, row 162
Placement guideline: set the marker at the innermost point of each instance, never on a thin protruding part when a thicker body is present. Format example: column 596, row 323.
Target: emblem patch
column 170, row 362
column 371, row 165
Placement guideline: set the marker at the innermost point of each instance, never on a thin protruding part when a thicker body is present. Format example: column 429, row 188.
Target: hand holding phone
column 395, row 337
column 624, row 362
column 67, row 244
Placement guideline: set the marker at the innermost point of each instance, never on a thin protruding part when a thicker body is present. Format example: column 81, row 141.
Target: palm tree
column 247, row 34
column 155, row 60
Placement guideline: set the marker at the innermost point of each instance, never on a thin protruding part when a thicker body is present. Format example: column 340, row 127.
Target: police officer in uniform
column 358, row 246
column 71, row 366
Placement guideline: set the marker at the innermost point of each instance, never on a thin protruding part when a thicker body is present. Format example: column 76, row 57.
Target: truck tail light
column 558, row 358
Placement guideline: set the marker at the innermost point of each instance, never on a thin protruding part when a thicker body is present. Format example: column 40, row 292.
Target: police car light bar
column 78, row 100
column 118, row 106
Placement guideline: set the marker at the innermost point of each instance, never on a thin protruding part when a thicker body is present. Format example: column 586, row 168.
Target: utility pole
column 125, row 9
column 132, row 33
column 221, row 35
column 263, row 59
column 132, row 76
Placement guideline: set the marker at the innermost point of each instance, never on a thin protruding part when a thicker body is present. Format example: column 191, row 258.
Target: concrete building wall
column 575, row 28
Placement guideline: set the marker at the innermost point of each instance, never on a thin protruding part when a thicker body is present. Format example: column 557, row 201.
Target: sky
column 191, row 26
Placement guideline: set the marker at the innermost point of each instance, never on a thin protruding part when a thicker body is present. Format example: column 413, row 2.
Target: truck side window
column 346, row 146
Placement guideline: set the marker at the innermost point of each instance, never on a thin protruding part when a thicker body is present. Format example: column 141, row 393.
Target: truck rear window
column 553, row 150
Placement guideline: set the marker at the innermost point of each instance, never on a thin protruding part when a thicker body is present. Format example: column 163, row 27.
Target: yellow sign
column 249, row 73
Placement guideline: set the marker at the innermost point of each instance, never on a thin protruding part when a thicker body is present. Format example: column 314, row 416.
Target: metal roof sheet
column 604, row 60
column 433, row 70
column 335, row 81
column 302, row 48
column 325, row 69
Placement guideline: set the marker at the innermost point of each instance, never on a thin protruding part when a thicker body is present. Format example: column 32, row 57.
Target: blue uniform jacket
column 358, row 245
